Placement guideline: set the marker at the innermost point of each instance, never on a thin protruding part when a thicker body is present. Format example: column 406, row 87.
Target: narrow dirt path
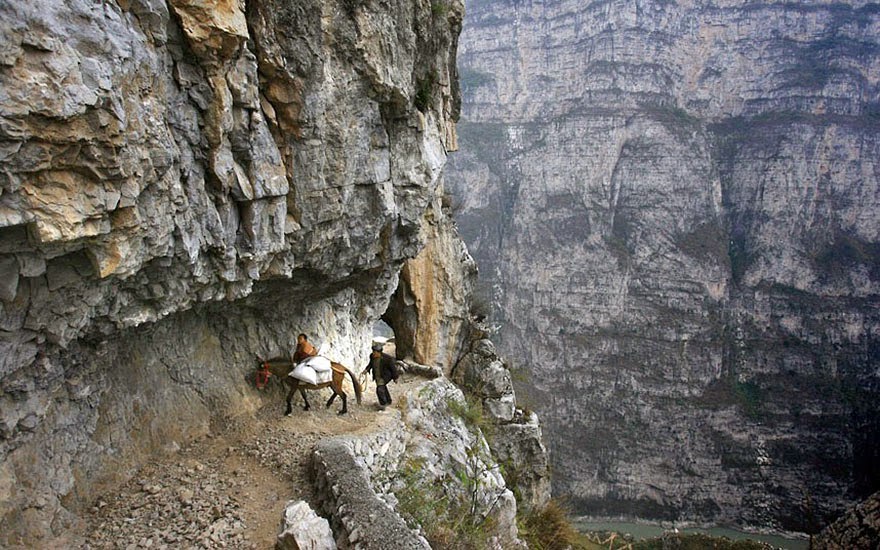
column 229, row 489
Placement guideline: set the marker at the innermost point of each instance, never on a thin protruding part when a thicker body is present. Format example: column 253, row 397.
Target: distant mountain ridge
column 674, row 208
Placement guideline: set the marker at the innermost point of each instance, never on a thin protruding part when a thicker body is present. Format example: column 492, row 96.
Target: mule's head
column 278, row 366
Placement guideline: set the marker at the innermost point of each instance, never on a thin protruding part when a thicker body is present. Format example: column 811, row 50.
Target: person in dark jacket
column 384, row 370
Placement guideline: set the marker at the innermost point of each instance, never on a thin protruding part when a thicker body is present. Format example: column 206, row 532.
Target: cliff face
column 673, row 205
column 186, row 184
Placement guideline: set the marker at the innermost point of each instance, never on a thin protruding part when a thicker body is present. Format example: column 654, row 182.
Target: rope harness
column 263, row 375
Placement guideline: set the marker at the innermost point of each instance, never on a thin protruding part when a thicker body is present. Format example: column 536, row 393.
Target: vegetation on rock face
column 551, row 529
column 471, row 411
column 439, row 8
column 470, row 79
column 424, row 91
column 842, row 254
column 451, row 488
column 448, row 521
column 745, row 394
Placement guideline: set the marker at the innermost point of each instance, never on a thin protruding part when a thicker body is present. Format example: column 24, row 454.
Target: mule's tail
column 356, row 384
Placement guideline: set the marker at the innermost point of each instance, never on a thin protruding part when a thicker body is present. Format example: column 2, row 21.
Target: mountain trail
column 229, row 489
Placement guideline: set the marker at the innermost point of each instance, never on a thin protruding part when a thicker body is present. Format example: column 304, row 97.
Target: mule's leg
column 344, row 402
column 302, row 392
column 289, row 410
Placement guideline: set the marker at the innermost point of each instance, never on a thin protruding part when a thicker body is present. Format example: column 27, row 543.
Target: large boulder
column 485, row 375
column 520, row 448
column 303, row 529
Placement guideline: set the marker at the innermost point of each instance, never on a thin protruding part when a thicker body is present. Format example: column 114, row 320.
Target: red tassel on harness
column 263, row 375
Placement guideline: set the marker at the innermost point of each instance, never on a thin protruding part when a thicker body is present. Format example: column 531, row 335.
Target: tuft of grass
column 424, row 92
column 550, row 528
column 419, row 501
column 471, row 411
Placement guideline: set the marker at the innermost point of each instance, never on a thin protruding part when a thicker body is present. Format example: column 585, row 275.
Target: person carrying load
column 308, row 365
column 304, row 349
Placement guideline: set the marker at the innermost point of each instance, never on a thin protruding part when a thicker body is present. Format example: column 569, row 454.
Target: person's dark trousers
column 383, row 395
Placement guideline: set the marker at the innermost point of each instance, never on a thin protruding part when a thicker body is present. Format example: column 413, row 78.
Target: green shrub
column 471, row 79
column 417, row 501
column 749, row 397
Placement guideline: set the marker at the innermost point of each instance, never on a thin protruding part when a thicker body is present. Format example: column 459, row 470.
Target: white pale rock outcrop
column 428, row 447
column 516, row 437
column 303, row 529
column 450, row 451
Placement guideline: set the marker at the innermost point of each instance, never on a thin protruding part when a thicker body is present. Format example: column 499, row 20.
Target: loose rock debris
column 225, row 491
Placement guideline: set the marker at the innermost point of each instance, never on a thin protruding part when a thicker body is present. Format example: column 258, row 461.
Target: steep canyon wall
column 184, row 185
column 674, row 207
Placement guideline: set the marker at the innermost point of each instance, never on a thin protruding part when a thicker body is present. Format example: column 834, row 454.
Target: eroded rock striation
column 515, row 438
column 186, row 184
column 858, row 528
column 674, row 207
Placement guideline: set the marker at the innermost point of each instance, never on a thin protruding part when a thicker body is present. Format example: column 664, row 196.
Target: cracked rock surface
column 186, row 185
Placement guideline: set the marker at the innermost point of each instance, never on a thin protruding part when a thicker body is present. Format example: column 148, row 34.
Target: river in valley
column 645, row 530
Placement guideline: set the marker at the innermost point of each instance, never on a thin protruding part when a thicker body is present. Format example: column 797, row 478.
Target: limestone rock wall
column 673, row 206
column 186, row 184
column 430, row 311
